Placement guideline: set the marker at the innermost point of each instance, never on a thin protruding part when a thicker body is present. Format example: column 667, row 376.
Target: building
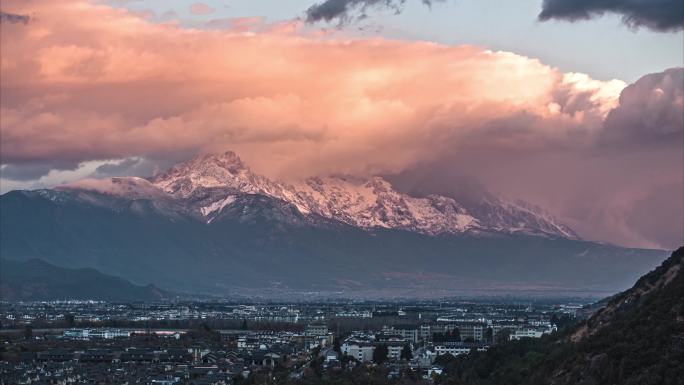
column 138, row 355
column 395, row 343
column 408, row 332
column 472, row 330
column 424, row 332
column 316, row 329
column 530, row 332
column 394, row 350
column 456, row 348
column 354, row 314
column 359, row 349
column 87, row 334
column 96, row 356
column 330, row 355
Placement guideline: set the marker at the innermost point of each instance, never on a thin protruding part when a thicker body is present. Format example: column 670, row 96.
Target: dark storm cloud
column 436, row 179
column 34, row 170
column 658, row 15
column 347, row 10
column 13, row 18
column 651, row 111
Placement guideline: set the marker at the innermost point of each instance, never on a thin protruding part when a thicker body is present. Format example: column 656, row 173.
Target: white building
column 354, row 314
column 87, row 334
column 394, row 350
column 529, row 333
column 457, row 348
column 361, row 350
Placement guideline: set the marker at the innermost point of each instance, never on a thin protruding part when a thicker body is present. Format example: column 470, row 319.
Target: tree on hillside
column 489, row 335
column 380, row 354
column 562, row 321
column 406, row 353
column 448, row 336
column 28, row 332
column 336, row 345
column 503, row 336
column 455, row 335
column 70, row 320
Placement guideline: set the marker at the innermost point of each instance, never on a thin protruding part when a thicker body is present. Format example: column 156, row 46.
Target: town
column 205, row 342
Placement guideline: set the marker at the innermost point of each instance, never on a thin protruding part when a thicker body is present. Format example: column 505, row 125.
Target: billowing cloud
column 344, row 11
column 295, row 103
column 625, row 187
column 76, row 89
column 122, row 167
column 201, row 9
column 651, row 110
column 135, row 166
column 658, row 15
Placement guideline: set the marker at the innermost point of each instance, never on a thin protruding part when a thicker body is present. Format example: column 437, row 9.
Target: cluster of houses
column 426, row 341
column 238, row 353
column 127, row 366
column 241, row 353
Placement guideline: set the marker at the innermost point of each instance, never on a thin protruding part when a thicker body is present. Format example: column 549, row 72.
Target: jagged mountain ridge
column 206, row 185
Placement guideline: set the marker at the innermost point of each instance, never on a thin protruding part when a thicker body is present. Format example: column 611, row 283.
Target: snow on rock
column 215, row 180
column 374, row 203
column 217, row 206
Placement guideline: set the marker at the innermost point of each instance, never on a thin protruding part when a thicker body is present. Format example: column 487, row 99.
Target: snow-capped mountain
column 209, row 184
column 211, row 225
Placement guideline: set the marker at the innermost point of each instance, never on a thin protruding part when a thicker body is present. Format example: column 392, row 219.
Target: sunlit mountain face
column 370, row 148
column 210, row 183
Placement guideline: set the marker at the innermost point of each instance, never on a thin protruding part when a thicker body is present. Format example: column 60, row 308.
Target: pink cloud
column 135, row 87
column 84, row 81
column 201, row 9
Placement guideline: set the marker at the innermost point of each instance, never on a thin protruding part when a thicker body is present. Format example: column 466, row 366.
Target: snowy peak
column 224, row 171
column 212, row 182
column 207, row 186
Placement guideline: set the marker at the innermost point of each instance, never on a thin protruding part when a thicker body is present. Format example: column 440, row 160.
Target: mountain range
column 212, row 225
column 207, row 185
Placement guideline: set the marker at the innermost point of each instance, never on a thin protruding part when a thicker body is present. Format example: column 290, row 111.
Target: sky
column 577, row 107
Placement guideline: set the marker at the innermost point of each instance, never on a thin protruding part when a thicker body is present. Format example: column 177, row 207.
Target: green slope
column 637, row 339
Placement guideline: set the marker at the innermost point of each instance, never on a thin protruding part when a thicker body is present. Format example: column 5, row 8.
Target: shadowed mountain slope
column 36, row 280
column 259, row 243
column 636, row 339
